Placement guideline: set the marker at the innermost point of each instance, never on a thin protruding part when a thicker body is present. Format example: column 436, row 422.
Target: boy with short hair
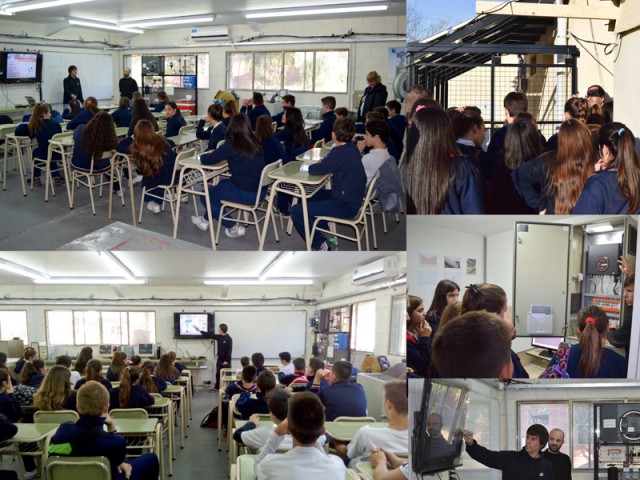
column 288, row 101
column 398, row 122
column 328, row 119
column 342, row 398
column 297, row 381
column 376, row 138
column 285, row 368
column 315, row 382
column 257, row 360
column 246, row 383
column 87, row 438
column 341, row 112
column 349, row 184
column 305, row 423
column 247, row 406
column 254, row 108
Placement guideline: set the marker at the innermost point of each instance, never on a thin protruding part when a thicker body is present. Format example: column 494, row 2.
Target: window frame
column 398, row 324
column 353, row 343
column 26, row 324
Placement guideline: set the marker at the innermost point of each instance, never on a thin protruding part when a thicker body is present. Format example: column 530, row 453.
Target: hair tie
column 590, row 320
column 621, row 131
column 420, row 107
column 474, row 288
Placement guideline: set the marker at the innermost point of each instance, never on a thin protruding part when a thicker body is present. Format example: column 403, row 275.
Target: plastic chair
column 232, row 207
column 319, row 143
column 169, row 192
column 355, row 419
column 129, row 413
column 185, row 129
column 274, row 125
column 59, row 416
column 94, row 178
column 44, row 164
column 78, row 468
column 359, row 223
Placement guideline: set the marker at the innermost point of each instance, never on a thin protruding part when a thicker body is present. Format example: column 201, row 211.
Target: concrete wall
column 626, row 68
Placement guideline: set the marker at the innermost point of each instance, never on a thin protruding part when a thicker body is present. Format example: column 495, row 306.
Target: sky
column 454, row 10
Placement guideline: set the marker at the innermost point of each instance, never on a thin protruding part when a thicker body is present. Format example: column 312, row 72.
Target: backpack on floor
column 211, row 419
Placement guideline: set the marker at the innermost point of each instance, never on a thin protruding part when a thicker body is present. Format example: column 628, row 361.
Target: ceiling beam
column 547, row 10
column 53, row 28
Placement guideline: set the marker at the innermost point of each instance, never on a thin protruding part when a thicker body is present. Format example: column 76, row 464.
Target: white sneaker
column 137, row 178
column 200, row 222
column 238, row 232
column 120, row 192
column 153, row 206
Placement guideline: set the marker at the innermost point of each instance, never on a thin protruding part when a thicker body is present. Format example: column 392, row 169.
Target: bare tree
column 419, row 26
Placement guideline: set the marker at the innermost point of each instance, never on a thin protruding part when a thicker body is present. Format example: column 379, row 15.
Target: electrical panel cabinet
column 332, row 337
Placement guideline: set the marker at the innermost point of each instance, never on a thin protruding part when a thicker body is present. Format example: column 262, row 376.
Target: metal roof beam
column 548, row 10
column 494, row 48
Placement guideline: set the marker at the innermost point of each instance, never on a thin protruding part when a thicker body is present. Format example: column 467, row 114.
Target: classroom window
column 397, row 339
column 550, row 414
column 582, row 435
column 93, row 328
column 363, row 336
column 303, row 71
column 13, row 324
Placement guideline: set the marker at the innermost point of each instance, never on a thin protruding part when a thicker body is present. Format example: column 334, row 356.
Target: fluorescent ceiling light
column 2, row 12
column 22, row 270
column 255, row 281
column 89, row 281
column 278, row 259
column 599, row 228
column 318, row 11
column 104, row 26
column 37, row 5
column 168, row 21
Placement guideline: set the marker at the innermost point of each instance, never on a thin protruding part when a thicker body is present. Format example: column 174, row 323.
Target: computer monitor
column 105, row 349
column 145, row 349
column 550, row 344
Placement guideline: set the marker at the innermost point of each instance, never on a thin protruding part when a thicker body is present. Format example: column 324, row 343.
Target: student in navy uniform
column 440, row 181
column 155, row 160
column 43, row 129
column 71, row 86
column 288, row 101
column 348, row 184
column 397, row 121
column 33, row 373
column 257, row 360
column 119, row 364
column 315, row 383
column 418, row 338
column 149, row 381
column 468, row 129
column 129, row 394
column 271, row 146
column 224, row 347
column 342, row 398
column 375, row 95
column 247, row 406
column 589, row 358
column 254, row 108
column 243, row 152
column 175, row 120
column 615, row 189
column 527, row 464
column 56, row 392
column 122, row 116
column 72, row 111
column 87, row 437
column 229, row 109
column 140, row 111
column 446, row 293
column 28, row 355
column 621, row 337
column 577, row 108
column 86, row 114
column 553, row 182
column 166, row 370
column 325, row 129
column 8, row 430
column 217, row 131
column 83, row 358
column 293, row 134
column 162, row 100
column 514, row 103
column 394, row 142
column 93, row 372
column 246, row 384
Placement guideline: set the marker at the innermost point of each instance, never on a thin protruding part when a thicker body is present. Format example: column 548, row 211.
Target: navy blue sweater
column 601, row 195
column 255, row 111
column 83, row 116
column 419, row 355
column 174, row 124
column 245, row 171
column 43, row 137
column 214, row 135
column 165, row 175
column 10, row 407
column 122, row 117
column 349, row 178
column 273, row 150
column 35, row 380
column 612, row 364
column 138, row 398
column 496, row 145
column 247, row 406
column 343, row 399
column 325, row 128
column 159, row 107
column 399, row 124
column 531, row 179
column 278, row 118
column 82, row 381
column 80, row 158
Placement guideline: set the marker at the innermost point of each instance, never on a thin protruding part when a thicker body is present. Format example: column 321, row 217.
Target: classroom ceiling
column 185, row 268
column 227, row 13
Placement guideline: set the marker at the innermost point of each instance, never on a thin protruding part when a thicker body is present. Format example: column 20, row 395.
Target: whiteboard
column 267, row 332
column 95, row 72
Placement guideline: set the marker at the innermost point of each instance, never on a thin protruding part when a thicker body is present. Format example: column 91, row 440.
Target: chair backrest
column 367, row 198
column 232, row 404
column 155, row 395
column 355, row 419
column 59, row 416
column 60, row 136
column 319, row 143
column 129, row 413
column 265, row 179
column 185, row 129
column 274, row 125
column 188, row 153
column 78, row 468
column 220, row 143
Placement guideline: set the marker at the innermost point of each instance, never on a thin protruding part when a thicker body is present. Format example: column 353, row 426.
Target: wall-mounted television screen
column 184, row 325
column 22, row 67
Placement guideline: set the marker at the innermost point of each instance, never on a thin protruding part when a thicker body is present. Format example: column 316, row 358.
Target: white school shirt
column 259, row 436
column 287, row 369
column 368, row 438
column 373, row 160
column 301, row 462
column 75, row 377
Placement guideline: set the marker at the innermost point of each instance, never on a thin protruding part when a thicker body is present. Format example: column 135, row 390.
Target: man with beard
column 560, row 462
column 527, row 464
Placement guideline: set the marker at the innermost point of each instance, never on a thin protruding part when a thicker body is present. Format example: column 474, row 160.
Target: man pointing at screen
column 224, row 344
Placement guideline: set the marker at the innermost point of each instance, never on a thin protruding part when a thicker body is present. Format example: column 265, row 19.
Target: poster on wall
column 427, row 261
column 452, row 262
column 471, row 266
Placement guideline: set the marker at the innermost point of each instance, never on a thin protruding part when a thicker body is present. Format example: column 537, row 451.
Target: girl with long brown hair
column 553, row 182
column 293, row 134
column 118, row 365
column 418, row 338
column 129, row 394
column 616, row 188
column 155, row 160
column 84, row 356
column 439, row 179
column 590, row 358
column 273, row 150
column 175, row 120
column 229, row 110
column 93, row 372
column 577, row 108
column 140, row 111
column 92, row 141
column 85, row 114
column 56, row 392
column 149, row 381
column 166, row 370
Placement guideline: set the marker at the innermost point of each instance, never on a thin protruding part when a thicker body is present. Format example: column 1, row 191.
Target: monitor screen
column 105, row 349
column 23, row 67
column 185, row 324
column 145, row 349
column 550, row 343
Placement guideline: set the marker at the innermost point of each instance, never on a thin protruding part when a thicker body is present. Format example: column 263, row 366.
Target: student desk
column 148, row 428
column 192, row 119
column 193, row 174
column 365, row 469
column 185, row 381
column 291, row 180
column 182, row 140
column 345, row 431
column 177, row 392
column 244, row 469
column 194, row 373
column 227, row 376
column 157, row 114
column 29, row 433
column 265, row 422
column 162, row 409
column 17, row 143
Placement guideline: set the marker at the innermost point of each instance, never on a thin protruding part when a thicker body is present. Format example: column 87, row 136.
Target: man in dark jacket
column 72, row 87
column 375, row 95
column 560, row 462
column 224, row 346
column 527, row 464
column 127, row 85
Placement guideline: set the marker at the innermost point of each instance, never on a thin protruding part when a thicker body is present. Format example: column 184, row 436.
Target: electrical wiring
column 61, row 41
column 591, row 54
column 332, row 36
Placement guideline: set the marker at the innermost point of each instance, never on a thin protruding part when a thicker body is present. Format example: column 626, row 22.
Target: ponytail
column 130, row 377
column 146, row 377
column 36, row 122
column 592, row 326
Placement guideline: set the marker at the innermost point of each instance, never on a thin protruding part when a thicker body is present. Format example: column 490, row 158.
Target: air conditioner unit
column 205, row 34
column 378, row 271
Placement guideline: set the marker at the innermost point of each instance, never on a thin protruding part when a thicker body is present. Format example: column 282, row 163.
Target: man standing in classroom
column 560, row 462
column 71, row 86
column 127, row 84
column 224, row 346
